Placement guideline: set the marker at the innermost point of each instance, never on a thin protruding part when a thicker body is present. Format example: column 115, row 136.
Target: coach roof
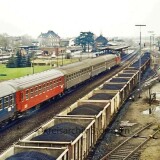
column 6, row 89
column 74, row 67
column 99, row 59
column 35, row 79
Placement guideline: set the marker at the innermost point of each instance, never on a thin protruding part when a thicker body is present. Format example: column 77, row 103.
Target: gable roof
column 101, row 39
column 49, row 34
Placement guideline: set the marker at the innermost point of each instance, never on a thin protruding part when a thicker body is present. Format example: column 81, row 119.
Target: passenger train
column 20, row 95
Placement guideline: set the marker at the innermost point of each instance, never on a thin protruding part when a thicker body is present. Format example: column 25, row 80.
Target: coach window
column 47, row 87
column 6, row 102
column 32, row 94
column 40, row 89
column 0, row 104
column 36, row 91
column 44, row 87
column 27, row 94
column 51, row 86
column 11, row 99
column 22, row 96
column 56, row 82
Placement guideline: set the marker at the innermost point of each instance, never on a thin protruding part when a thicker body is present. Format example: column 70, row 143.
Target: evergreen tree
column 11, row 63
column 28, row 61
column 18, row 58
column 19, row 61
column 85, row 39
column 23, row 62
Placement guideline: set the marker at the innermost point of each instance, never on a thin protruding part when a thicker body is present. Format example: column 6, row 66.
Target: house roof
column 49, row 34
column 101, row 39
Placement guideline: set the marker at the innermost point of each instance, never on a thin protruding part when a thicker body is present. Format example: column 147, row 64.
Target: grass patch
column 12, row 73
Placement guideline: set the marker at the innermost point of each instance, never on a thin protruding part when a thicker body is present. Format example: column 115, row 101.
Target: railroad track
column 21, row 128
column 130, row 146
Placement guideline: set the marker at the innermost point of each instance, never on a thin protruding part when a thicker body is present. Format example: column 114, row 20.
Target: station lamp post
column 62, row 59
column 153, row 41
column 140, row 25
column 57, row 59
column 150, row 39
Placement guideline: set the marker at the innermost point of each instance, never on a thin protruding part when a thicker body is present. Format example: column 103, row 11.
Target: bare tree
column 4, row 42
column 26, row 40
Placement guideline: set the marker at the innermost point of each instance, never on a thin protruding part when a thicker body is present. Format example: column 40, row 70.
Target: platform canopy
column 114, row 48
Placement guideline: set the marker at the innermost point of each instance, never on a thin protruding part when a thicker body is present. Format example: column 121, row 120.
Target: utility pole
column 140, row 25
column 153, row 41
column 62, row 59
column 151, row 32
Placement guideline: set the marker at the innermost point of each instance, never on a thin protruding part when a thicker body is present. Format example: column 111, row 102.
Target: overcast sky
column 69, row 17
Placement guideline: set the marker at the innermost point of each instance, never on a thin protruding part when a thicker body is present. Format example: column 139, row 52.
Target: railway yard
column 103, row 118
column 128, row 143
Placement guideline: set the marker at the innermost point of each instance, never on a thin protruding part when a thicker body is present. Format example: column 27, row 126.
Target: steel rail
column 151, row 136
column 108, row 154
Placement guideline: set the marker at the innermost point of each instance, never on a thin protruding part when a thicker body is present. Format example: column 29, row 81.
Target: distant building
column 49, row 39
column 35, row 43
column 67, row 42
column 64, row 42
column 72, row 42
column 53, row 50
column 15, row 41
column 101, row 41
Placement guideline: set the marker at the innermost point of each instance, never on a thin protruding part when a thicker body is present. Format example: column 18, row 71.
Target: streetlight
column 153, row 41
column 62, row 59
column 32, row 65
column 57, row 59
column 140, row 25
column 150, row 39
